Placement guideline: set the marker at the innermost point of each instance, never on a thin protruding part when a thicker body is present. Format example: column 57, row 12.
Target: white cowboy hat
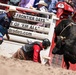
column 42, row 3
column 12, row 8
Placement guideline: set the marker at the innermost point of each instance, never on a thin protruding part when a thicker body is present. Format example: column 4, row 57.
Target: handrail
column 26, row 9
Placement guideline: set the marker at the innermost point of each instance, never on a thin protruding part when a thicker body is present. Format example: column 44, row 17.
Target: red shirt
column 36, row 55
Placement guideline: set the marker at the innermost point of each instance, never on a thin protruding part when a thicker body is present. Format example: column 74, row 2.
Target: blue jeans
column 3, row 31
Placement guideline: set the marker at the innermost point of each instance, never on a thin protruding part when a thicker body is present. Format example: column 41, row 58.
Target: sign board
column 29, row 27
column 27, row 33
column 32, row 18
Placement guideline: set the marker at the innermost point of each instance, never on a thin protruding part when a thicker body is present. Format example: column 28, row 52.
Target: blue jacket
column 4, row 23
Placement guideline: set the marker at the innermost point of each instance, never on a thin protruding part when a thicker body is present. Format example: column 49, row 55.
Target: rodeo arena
column 29, row 25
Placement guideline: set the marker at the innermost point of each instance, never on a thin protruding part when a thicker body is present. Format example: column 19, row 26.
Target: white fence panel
column 29, row 27
column 27, row 33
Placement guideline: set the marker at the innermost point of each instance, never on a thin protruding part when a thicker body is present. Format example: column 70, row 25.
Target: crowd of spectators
column 41, row 5
column 51, row 4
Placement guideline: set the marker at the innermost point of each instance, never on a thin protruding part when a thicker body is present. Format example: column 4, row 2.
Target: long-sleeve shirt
column 51, row 5
column 26, row 3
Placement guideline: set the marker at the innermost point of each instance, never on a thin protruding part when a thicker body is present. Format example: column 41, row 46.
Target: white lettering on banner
column 29, row 27
column 32, row 27
column 16, row 24
column 16, row 31
column 24, row 25
column 32, row 18
column 27, row 33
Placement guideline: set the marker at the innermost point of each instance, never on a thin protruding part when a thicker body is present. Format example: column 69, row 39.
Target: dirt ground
column 10, row 66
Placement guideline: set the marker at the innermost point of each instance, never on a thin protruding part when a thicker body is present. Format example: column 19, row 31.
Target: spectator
column 42, row 6
column 32, row 51
column 4, row 1
column 74, row 2
column 51, row 5
column 66, row 0
column 26, row 3
column 61, row 0
column 36, row 1
column 5, row 20
column 14, row 2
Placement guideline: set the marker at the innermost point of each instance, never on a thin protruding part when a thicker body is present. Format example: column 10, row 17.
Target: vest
column 29, row 47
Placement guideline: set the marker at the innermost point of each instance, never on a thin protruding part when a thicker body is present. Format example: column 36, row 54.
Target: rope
column 71, row 24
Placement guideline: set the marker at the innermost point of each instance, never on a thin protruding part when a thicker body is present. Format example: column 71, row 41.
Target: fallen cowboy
column 31, row 51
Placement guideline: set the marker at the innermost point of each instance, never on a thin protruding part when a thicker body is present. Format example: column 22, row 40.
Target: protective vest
column 29, row 47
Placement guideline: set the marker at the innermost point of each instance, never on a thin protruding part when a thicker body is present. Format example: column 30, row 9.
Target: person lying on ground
column 32, row 51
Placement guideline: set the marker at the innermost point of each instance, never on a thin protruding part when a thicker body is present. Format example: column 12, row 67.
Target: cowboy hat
column 12, row 8
column 41, row 3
